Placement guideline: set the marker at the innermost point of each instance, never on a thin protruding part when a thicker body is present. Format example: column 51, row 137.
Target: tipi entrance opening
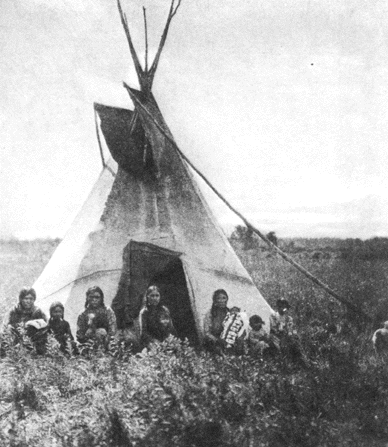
column 172, row 284
column 145, row 264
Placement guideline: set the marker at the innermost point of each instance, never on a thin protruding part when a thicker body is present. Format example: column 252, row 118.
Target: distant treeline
column 370, row 249
column 347, row 249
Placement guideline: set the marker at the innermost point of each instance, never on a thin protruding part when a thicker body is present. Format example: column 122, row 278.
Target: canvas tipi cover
column 146, row 220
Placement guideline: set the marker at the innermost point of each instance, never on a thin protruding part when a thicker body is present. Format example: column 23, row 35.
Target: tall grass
column 175, row 395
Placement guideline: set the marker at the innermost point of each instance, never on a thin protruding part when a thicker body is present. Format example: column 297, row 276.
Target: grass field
column 180, row 397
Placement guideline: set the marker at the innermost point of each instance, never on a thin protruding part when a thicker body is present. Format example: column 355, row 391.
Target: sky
column 282, row 105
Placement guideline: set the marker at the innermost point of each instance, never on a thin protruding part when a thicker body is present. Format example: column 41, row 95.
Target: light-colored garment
column 235, row 327
column 281, row 324
column 380, row 339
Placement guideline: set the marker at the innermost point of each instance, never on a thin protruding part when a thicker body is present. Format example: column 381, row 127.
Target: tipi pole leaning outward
column 146, row 79
column 148, row 223
column 280, row 252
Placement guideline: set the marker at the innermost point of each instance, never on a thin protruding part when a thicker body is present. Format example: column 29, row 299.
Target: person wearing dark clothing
column 213, row 322
column 154, row 319
column 60, row 328
column 25, row 319
column 97, row 322
column 24, row 311
column 284, row 334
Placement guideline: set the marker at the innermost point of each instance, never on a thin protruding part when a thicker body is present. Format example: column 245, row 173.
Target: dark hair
column 255, row 319
column 283, row 303
column 218, row 292
column 91, row 290
column 164, row 312
column 27, row 291
column 214, row 308
column 152, row 288
column 56, row 304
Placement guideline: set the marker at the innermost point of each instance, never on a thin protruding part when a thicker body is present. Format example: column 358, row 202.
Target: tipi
column 146, row 221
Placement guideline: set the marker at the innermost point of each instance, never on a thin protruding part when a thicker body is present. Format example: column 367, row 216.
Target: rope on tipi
column 280, row 252
column 99, row 139
column 104, row 164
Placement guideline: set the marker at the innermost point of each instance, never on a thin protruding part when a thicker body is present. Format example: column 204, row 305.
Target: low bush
column 176, row 396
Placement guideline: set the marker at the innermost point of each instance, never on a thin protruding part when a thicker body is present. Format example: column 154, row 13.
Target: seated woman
column 154, row 319
column 97, row 322
column 213, row 322
column 19, row 317
column 24, row 311
column 60, row 328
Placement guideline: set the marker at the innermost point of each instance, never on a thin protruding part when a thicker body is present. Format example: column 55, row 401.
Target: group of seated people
column 97, row 323
column 231, row 330
column 225, row 330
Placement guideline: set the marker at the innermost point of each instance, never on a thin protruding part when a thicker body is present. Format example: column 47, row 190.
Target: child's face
column 234, row 310
column 164, row 321
column 256, row 326
column 57, row 313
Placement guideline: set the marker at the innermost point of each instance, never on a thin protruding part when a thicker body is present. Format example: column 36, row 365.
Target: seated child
column 258, row 339
column 235, row 327
column 162, row 327
column 60, row 328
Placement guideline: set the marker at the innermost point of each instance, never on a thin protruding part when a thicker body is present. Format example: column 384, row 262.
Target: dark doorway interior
column 145, row 264
column 172, row 283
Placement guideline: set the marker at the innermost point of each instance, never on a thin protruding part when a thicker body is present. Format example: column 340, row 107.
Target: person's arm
column 68, row 331
column 207, row 327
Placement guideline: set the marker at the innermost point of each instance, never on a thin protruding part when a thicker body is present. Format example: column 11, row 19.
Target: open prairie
column 177, row 396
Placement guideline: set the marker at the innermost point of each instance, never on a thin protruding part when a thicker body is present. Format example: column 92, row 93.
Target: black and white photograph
column 193, row 223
